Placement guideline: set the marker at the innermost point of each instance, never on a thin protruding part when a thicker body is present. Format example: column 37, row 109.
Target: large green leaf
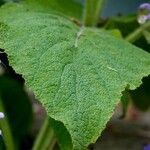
column 78, row 80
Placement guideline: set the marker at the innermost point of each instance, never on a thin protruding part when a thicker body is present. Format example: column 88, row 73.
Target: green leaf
column 77, row 74
column 1, row 2
column 115, row 33
column 51, row 131
column 141, row 95
column 63, row 137
column 2, row 146
column 125, row 99
column 17, row 107
column 126, row 24
column 70, row 8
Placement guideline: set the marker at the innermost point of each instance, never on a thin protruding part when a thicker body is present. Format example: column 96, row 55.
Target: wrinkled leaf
column 79, row 80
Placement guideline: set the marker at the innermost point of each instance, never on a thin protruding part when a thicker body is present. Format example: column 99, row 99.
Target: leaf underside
column 79, row 80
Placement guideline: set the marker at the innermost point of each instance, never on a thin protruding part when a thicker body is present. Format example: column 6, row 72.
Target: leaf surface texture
column 77, row 74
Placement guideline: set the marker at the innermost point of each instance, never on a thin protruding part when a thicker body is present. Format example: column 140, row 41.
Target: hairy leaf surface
column 77, row 74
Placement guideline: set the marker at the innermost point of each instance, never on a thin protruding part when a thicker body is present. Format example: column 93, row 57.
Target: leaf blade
column 74, row 83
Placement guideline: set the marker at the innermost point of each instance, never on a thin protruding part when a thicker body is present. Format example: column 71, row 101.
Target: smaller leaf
column 1, row 2
column 16, row 105
column 125, row 98
column 116, row 33
column 63, row 136
column 53, row 131
column 2, row 146
column 141, row 95
column 126, row 24
column 68, row 7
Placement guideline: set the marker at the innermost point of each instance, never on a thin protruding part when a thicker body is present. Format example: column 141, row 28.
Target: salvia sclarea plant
column 76, row 70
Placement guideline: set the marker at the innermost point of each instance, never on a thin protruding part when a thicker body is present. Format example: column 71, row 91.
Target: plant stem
column 135, row 35
column 6, row 131
column 92, row 12
column 46, row 139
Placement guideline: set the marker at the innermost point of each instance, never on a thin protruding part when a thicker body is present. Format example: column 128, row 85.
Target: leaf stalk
column 46, row 138
column 135, row 35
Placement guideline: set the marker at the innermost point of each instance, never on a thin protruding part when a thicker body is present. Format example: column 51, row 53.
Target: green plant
column 77, row 72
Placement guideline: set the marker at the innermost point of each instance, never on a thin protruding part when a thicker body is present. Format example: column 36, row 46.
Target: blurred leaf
column 2, row 146
column 17, row 106
column 70, row 8
column 141, row 95
column 62, row 134
column 1, row 2
column 125, row 24
column 53, row 131
column 125, row 98
column 142, row 43
column 115, row 32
